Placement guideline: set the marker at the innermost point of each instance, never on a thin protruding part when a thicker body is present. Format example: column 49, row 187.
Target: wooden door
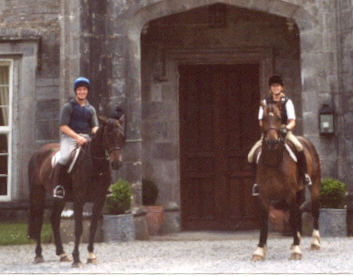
column 218, row 125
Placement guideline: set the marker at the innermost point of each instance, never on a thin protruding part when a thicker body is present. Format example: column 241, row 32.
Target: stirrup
column 56, row 190
column 255, row 190
column 307, row 180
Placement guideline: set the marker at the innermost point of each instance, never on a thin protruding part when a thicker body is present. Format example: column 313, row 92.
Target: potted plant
column 118, row 222
column 333, row 213
column 155, row 213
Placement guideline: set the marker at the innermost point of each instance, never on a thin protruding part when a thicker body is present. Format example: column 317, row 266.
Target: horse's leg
column 315, row 242
column 55, row 222
column 96, row 212
column 35, row 223
column 78, row 208
column 260, row 252
column 294, row 220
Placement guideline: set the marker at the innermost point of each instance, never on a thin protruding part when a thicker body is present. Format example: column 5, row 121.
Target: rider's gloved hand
column 81, row 140
column 283, row 130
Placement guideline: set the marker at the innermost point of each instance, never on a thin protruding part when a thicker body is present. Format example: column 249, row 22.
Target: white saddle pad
column 56, row 157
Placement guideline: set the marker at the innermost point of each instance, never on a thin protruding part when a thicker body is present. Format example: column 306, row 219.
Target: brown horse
column 88, row 181
column 280, row 182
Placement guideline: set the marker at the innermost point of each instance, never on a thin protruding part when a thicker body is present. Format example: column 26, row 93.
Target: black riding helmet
column 275, row 79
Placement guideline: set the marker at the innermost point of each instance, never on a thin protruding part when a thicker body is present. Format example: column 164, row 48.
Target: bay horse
column 280, row 182
column 88, row 181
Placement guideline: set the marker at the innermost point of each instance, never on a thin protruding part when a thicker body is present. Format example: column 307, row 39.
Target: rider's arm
column 94, row 120
column 69, row 132
column 260, row 123
column 291, row 115
column 291, row 124
column 94, row 129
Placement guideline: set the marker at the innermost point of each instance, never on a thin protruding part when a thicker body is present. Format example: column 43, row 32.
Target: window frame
column 8, row 129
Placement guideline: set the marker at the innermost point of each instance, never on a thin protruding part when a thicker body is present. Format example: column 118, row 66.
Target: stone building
column 189, row 74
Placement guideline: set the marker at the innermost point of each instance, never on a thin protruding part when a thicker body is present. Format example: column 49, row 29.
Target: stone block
column 67, row 230
column 282, row 8
column 172, row 219
column 165, row 151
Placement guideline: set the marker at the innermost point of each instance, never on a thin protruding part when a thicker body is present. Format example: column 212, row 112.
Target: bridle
column 108, row 150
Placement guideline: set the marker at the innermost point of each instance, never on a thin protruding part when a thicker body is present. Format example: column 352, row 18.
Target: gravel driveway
column 189, row 252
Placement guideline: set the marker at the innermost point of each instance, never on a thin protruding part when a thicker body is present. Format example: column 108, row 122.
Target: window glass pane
column 3, row 144
column 3, row 164
column 3, row 185
column 4, row 95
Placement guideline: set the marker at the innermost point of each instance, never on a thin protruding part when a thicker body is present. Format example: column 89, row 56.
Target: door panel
column 218, row 125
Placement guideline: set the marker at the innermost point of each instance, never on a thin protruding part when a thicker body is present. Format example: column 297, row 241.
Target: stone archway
column 164, row 8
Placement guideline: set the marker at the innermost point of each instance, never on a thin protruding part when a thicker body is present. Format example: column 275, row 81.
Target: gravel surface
column 188, row 253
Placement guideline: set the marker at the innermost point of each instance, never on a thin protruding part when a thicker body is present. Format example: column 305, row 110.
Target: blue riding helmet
column 81, row 81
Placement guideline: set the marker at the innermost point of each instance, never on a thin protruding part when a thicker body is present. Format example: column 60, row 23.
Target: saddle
column 72, row 160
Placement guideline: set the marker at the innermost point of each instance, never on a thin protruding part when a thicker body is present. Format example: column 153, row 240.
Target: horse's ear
column 103, row 119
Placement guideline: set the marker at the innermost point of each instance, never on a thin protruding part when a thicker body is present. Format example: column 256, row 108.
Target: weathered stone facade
column 130, row 49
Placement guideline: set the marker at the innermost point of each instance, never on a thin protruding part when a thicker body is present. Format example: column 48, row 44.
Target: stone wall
column 319, row 67
column 241, row 31
column 29, row 35
column 343, row 97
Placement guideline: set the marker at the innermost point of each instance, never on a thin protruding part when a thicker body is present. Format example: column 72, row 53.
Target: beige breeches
column 289, row 136
column 253, row 149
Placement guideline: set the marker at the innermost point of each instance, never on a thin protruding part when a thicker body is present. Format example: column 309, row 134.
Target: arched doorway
column 203, row 74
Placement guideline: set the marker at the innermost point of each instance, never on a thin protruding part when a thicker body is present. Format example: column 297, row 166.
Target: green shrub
column 332, row 193
column 149, row 192
column 120, row 200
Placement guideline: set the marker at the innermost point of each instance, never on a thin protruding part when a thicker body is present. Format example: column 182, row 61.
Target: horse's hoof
column 77, row 265
column 65, row 258
column 257, row 258
column 92, row 261
column 38, row 260
column 315, row 247
column 295, row 256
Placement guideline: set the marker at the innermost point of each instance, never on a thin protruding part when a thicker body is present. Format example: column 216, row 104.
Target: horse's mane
column 272, row 108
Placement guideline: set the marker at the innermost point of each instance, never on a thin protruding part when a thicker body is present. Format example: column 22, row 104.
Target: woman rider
column 288, row 120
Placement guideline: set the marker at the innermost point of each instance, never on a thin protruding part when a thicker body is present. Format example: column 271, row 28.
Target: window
column 5, row 127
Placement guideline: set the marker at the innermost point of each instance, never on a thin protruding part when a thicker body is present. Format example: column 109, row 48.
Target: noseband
column 108, row 150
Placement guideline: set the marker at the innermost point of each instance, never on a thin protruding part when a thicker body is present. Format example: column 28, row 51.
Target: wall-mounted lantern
column 326, row 120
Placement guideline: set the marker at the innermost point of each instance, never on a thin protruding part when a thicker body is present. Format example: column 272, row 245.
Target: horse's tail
column 36, row 201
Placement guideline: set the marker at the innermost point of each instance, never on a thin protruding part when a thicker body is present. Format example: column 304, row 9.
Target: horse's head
column 271, row 124
column 113, row 138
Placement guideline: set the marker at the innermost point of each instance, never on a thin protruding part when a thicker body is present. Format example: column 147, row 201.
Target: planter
column 332, row 222
column 118, row 228
column 155, row 217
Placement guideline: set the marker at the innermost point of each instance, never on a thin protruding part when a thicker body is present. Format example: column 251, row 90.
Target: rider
column 276, row 94
column 78, row 120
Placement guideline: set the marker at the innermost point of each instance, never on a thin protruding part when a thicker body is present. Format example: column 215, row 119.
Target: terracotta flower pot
column 155, row 218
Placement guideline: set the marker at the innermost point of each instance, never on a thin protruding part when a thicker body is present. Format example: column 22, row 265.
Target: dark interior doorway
column 218, row 125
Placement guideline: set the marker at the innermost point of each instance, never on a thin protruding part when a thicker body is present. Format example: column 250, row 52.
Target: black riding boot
column 58, row 178
column 303, row 171
column 303, row 168
column 255, row 187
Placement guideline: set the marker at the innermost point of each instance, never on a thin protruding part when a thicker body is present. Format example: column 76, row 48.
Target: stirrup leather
column 56, row 189
column 255, row 190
